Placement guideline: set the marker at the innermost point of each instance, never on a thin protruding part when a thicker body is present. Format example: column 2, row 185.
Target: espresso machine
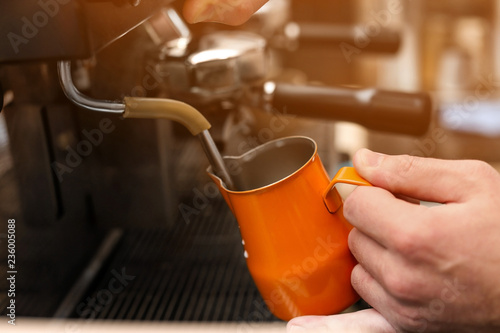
column 115, row 217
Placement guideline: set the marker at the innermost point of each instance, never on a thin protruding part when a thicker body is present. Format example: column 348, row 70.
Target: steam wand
column 135, row 107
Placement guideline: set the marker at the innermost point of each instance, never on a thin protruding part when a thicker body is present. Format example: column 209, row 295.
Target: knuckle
column 482, row 170
column 406, row 165
column 397, row 286
column 410, row 319
column 482, row 178
column 416, row 242
column 406, row 243
column 474, row 171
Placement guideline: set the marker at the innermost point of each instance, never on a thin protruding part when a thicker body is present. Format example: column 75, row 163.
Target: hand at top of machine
column 232, row 12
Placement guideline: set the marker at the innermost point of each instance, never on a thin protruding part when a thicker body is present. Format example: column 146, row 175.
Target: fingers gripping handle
column 346, row 175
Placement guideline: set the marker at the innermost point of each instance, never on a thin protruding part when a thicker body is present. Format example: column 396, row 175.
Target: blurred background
column 98, row 198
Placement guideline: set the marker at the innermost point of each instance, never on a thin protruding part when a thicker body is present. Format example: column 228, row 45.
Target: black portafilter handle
column 379, row 110
column 349, row 38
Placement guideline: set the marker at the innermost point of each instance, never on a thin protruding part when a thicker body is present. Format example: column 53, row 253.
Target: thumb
column 417, row 177
column 234, row 12
column 356, row 322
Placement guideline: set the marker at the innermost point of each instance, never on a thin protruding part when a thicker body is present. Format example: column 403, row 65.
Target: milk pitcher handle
column 347, row 175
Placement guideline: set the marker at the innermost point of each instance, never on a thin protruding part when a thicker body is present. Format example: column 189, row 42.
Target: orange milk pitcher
column 293, row 229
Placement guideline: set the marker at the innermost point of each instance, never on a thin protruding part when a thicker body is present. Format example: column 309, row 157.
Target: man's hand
column 365, row 321
column 423, row 269
column 232, row 12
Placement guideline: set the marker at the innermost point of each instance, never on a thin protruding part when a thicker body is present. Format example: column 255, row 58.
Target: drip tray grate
column 194, row 272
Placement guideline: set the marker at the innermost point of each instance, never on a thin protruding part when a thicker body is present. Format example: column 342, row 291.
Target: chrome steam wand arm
column 69, row 89
column 133, row 107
